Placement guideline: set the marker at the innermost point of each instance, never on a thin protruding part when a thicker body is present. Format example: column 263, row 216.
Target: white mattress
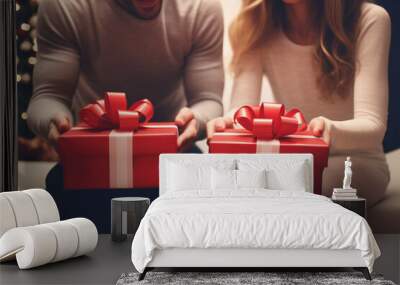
column 251, row 219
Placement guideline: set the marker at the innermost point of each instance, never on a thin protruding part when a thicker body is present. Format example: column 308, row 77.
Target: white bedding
column 250, row 219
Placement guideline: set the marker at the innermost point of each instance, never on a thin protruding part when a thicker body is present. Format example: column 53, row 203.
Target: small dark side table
column 126, row 214
column 358, row 206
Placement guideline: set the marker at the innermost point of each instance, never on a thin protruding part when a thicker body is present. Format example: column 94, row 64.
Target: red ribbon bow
column 113, row 113
column 269, row 120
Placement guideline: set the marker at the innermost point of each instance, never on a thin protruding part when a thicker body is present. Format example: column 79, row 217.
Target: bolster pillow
column 40, row 244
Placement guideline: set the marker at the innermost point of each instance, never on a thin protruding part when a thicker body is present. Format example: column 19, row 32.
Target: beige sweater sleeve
column 203, row 73
column 367, row 129
column 55, row 76
column 67, row 58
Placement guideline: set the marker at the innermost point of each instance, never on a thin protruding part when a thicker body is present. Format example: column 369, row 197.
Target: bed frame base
column 143, row 274
column 241, row 259
column 363, row 270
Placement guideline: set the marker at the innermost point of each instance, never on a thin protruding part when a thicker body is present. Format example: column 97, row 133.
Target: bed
column 247, row 211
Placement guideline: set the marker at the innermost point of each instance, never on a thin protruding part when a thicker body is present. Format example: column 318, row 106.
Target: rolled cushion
column 7, row 218
column 45, row 205
column 66, row 237
column 26, row 208
column 23, row 208
column 41, row 244
column 87, row 235
column 33, row 246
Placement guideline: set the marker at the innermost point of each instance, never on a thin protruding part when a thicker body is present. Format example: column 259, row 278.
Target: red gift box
column 115, row 147
column 268, row 129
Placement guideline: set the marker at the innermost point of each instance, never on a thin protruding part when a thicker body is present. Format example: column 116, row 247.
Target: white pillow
column 251, row 178
column 282, row 174
column 230, row 180
column 292, row 179
column 223, row 179
column 184, row 176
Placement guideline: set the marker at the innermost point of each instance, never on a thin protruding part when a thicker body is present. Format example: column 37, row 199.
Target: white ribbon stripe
column 121, row 159
column 268, row 146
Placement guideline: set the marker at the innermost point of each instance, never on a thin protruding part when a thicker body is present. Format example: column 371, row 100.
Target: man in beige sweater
column 167, row 51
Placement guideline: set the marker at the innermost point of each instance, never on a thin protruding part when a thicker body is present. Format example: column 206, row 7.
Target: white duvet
column 250, row 219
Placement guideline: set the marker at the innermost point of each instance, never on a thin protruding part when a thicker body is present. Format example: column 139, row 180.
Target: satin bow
column 113, row 113
column 270, row 121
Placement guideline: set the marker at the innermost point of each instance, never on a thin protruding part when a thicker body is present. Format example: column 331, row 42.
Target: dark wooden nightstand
column 358, row 205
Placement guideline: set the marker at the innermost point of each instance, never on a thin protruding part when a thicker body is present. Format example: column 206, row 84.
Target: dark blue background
column 392, row 138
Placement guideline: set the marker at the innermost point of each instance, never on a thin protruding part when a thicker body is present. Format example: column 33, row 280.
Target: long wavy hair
column 337, row 22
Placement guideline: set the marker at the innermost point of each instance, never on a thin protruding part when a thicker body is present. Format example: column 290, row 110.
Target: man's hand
column 218, row 125
column 188, row 124
column 57, row 127
column 321, row 127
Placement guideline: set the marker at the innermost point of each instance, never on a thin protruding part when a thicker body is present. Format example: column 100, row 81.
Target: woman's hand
column 57, row 127
column 218, row 125
column 189, row 126
column 321, row 127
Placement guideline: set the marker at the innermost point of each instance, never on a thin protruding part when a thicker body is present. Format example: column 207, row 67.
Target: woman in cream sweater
column 328, row 58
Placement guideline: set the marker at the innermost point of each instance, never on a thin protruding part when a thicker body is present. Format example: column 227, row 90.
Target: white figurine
column 347, row 174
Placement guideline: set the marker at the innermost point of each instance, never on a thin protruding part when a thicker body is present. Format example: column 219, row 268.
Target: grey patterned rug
column 232, row 278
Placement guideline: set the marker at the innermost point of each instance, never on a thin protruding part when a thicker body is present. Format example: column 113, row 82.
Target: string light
column 24, row 116
column 32, row 60
column 26, row 23
column 25, row 27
